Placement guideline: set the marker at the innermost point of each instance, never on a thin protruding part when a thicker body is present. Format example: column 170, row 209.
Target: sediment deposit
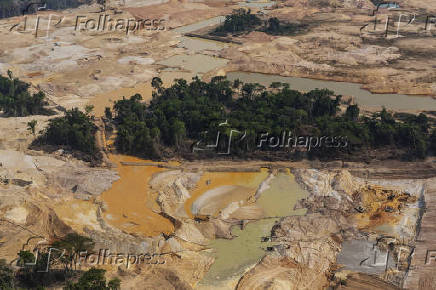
column 178, row 211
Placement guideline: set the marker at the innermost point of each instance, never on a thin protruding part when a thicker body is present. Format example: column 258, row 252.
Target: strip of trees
column 180, row 115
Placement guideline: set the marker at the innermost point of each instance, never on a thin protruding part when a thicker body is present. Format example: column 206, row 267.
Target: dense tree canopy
column 17, row 101
column 242, row 20
column 239, row 20
column 75, row 130
column 185, row 112
column 7, row 280
column 94, row 279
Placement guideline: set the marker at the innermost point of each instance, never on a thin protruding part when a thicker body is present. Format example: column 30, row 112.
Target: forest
column 180, row 115
column 17, row 101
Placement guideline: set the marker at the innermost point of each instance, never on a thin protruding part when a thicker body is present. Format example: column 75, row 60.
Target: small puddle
column 362, row 97
column 198, row 44
column 233, row 257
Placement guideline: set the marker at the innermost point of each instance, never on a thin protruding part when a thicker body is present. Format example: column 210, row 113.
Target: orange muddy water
column 130, row 204
column 107, row 99
column 246, row 181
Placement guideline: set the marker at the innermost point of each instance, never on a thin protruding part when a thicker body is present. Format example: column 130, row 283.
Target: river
column 362, row 97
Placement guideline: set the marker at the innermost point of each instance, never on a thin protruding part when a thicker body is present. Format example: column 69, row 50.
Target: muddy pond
column 235, row 256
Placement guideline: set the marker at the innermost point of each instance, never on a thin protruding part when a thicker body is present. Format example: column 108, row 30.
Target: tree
column 410, row 136
column 31, row 126
column 352, row 113
column 273, row 24
column 73, row 244
column 32, row 269
column 239, row 20
column 102, row 4
column 108, row 113
column 94, row 279
column 16, row 100
column 386, row 117
column 7, row 280
column 114, row 284
column 432, row 142
column 156, row 83
column 25, row 257
column 188, row 112
column 89, row 109
column 178, row 130
column 76, row 130
column 237, row 83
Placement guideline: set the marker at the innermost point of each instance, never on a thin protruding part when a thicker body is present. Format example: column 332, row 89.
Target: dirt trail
column 131, row 206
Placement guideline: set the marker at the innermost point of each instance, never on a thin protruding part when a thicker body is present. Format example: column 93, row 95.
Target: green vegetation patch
column 242, row 21
column 184, row 113
column 76, row 130
column 54, row 266
column 17, row 101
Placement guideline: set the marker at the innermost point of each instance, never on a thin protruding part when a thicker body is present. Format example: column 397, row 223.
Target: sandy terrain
column 334, row 48
column 80, row 66
column 149, row 208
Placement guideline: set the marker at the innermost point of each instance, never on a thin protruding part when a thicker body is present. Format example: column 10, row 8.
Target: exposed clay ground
column 334, row 48
column 79, row 66
column 49, row 195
